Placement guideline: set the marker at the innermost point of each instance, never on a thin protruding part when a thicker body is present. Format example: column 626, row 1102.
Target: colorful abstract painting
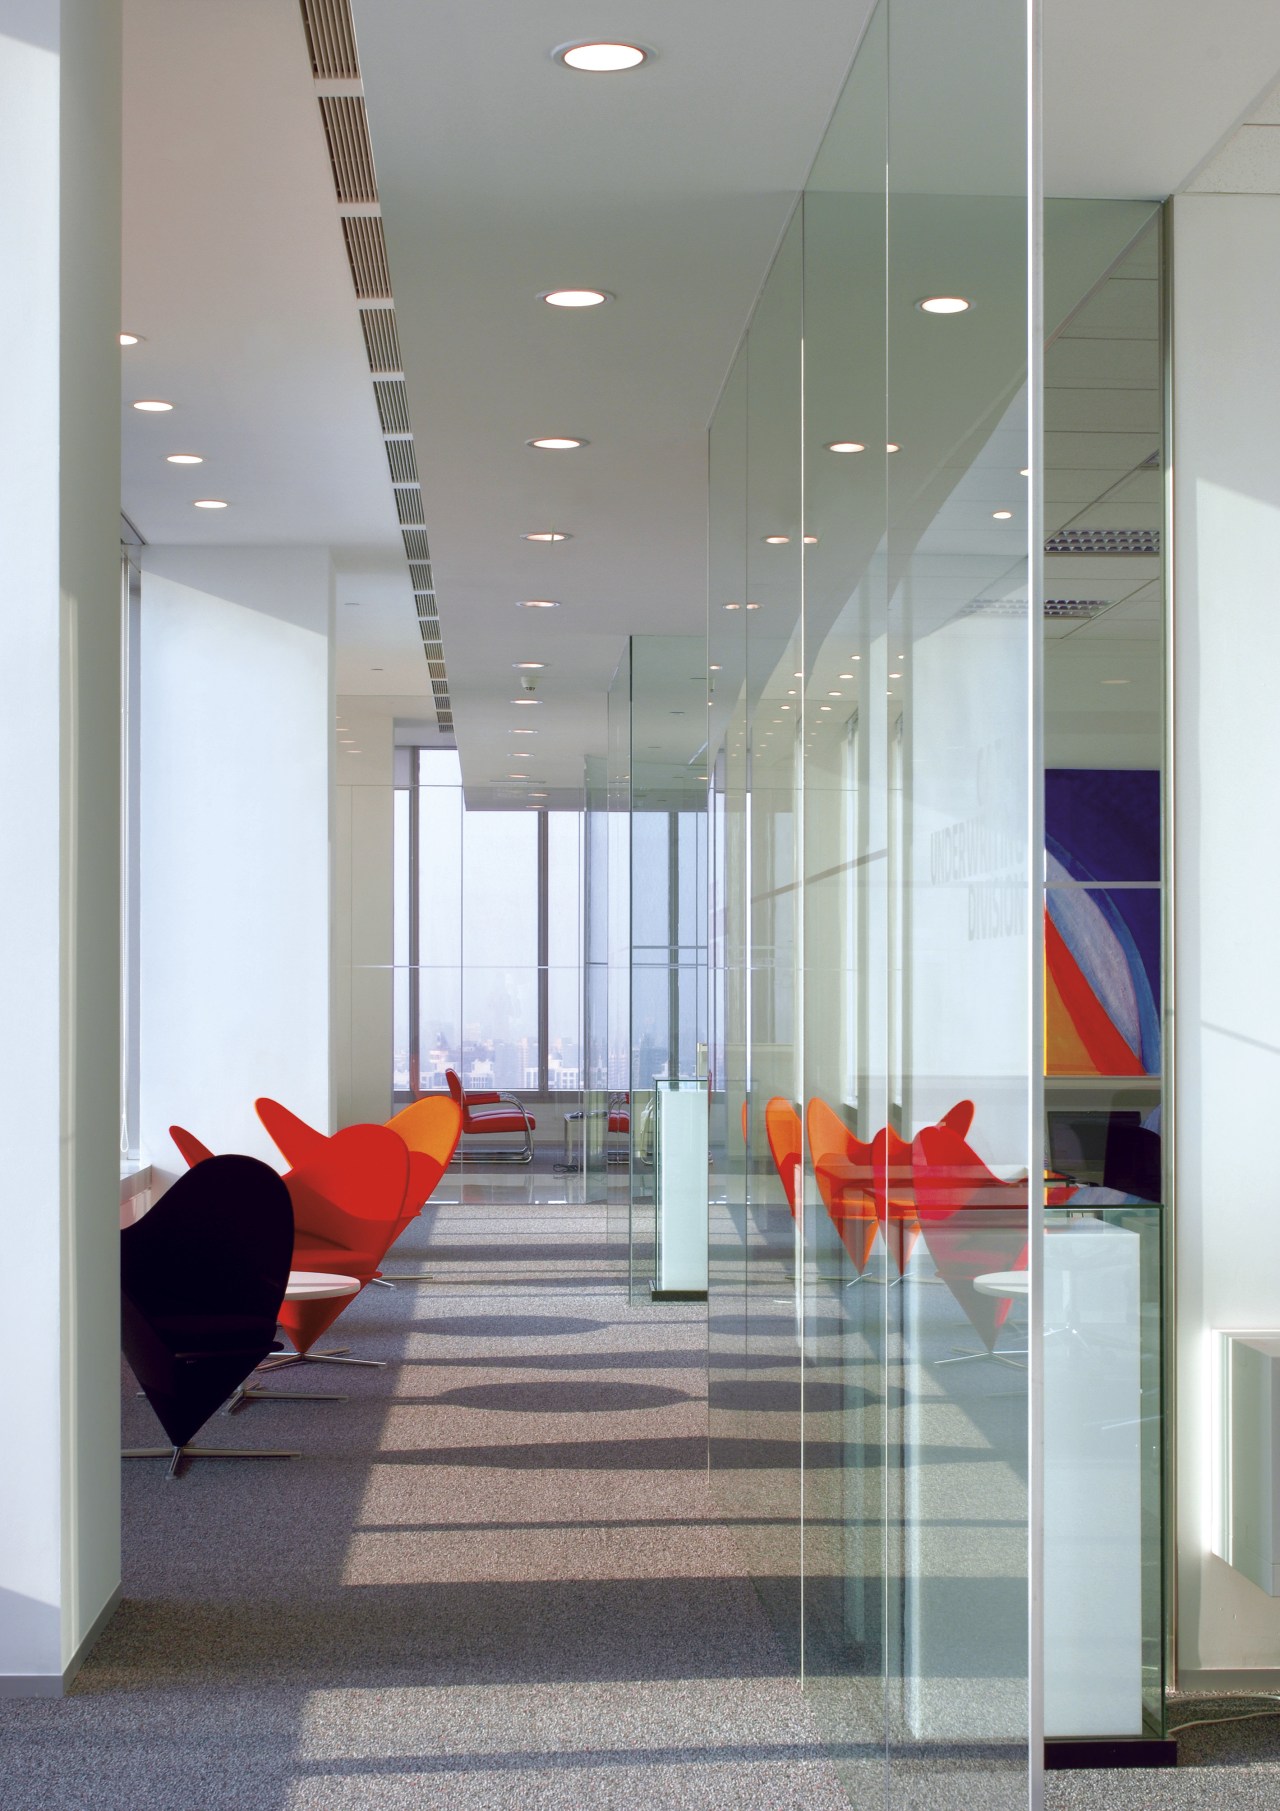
column 1102, row 938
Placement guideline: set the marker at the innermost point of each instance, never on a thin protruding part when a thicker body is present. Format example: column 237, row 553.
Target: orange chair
column 843, row 1169
column 786, row 1146
column 486, row 1112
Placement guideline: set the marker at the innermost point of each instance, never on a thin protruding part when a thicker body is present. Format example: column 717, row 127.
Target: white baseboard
column 54, row 1685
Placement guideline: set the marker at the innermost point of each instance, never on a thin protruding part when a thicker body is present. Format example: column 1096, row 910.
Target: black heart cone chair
column 202, row 1277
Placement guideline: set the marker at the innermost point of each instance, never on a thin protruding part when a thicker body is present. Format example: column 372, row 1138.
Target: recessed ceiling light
column 575, row 298
column 522, row 732
column 895, row 675
column 891, row 446
column 538, row 603
column 855, row 657
column 150, row 405
column 784, row 707
column 811, row 540
column 797, row 675
column 753, row 606
column 600, row 59
column 943, row 305
column 545, row 534
column 824, row 707
column 184, row 458
column 528, row 666
column 845, row 446
column 517, row 776
column 521, row 754
column 210, row 503
column 835, row 694
column 537, row 795
column 1002, row 515
column 713, row 669
column 1025, row 472
column 1115, row 682
column 791, row 692
column 845, row 675
column 556, row 443
column 130, row 339
column 733, row 606
column 526, row 701
column 777, row 540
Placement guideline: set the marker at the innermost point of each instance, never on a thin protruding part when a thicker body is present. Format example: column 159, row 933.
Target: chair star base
column 338, row 1356
column 179, row 1455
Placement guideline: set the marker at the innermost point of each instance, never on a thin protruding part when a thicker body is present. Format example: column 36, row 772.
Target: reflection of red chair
column 842, row 1167
column 973, row 1224
column 501, row 1114
column 786, row 1146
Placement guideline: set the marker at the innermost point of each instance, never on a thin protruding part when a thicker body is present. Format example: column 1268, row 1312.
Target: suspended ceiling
column 502, row 175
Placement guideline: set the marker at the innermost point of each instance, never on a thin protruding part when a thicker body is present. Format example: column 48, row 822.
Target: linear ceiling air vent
column 331, row 39
column 1079, row 609
column 1104, row 540
column 382, row 343
column 402, row 461
column 367, row 255
column 350, row 151
column 393, row 405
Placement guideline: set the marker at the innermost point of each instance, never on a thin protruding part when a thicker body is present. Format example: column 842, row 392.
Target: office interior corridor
column 494, row 1577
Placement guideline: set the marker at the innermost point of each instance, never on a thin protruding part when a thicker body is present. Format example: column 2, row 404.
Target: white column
column 1226, row 457
column 235, row 824
column 59, row 830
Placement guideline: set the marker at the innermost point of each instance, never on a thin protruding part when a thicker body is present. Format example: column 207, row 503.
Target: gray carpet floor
column 495, row 1578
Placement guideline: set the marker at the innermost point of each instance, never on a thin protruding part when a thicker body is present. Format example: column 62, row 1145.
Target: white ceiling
column 502, row 175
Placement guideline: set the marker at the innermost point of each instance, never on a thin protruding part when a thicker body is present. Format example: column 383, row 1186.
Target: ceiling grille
column 382, row 343
column 331, row 41
column 1082, row 607
column 1104, row 540
column 393, row 406
column 402, row 461
column 367, row 254
column 1057, row 608
column 350, row 152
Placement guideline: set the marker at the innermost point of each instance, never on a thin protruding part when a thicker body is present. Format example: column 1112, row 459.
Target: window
column 488, row 937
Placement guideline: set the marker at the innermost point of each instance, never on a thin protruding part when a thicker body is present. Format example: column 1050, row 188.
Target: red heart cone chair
column 843, row 1169
column 430, row 1128
column 895, row 1200
column 348, row 1203
column 786, row 1146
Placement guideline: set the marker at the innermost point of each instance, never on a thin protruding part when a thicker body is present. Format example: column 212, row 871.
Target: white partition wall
column 236, row 715
column 59, row 829
column 1227, row 554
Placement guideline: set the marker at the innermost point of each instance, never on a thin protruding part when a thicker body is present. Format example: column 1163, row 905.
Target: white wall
column 59, row 829
column 235, row 842
column 362, row 913
column 1227, row 962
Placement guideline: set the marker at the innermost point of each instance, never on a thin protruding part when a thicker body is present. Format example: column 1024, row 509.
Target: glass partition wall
column 646, row 935
column 938, row 1179
column 875, row 811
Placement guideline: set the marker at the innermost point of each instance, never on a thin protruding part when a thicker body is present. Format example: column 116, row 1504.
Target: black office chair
column 202, row 1277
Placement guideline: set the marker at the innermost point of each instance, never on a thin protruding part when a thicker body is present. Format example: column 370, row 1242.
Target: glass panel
column 958, row 660
column 1105, row 1007
column 848, row 1269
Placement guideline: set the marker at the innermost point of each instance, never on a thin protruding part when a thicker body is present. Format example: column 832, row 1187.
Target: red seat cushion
column 496, row 1119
